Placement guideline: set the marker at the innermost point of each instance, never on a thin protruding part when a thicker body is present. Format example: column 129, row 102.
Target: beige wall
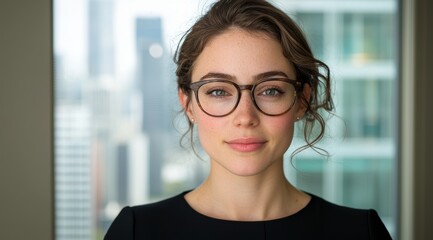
column 423, row 209
column 26, row 159
column 416, row 120
column 26, row 99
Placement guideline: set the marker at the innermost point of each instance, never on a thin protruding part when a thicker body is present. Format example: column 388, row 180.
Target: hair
column 261, row 16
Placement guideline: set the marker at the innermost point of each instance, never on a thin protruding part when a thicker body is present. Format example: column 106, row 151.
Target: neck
column 264, row 196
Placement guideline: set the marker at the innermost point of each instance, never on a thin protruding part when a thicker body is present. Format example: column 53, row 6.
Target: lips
column 246, row 144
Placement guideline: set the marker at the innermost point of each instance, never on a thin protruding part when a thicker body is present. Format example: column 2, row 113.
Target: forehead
column 242, row 54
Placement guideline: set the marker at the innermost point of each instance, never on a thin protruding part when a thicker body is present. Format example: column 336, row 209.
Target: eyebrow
column 261, row 76
column 215, row 75
column 271, row 75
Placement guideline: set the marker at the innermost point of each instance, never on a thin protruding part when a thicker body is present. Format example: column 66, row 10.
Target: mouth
column 246, row 144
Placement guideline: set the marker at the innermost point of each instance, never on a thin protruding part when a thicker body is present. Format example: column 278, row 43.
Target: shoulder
column 122, row 226
column 338, row 220
column 327, row 209
column 159, row 211
column 144, row 219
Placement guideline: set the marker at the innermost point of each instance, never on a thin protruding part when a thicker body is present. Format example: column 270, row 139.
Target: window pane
column 357, row 40
column 373, row 115
column 311, row 23
column 117, row 126
column 368, row 36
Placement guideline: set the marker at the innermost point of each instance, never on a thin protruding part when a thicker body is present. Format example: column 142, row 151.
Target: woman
column 245, row 76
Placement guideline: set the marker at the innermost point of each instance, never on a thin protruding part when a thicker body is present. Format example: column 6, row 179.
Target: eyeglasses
column 272, row 97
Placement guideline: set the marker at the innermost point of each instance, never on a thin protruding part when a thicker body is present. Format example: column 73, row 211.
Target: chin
column 247, row 170
column 246, row 165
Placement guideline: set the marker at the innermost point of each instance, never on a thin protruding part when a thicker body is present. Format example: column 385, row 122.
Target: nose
column 246, row 113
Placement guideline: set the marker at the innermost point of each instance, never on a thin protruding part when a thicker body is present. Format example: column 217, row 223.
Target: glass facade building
column 357, row 39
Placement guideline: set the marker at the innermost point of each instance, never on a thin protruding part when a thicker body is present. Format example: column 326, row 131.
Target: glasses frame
column 251, row 87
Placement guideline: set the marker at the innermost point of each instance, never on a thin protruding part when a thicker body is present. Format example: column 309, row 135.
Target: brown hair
column 261, row 16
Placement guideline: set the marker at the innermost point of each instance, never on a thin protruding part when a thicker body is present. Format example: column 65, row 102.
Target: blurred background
column 89, row 118
column 117, row 126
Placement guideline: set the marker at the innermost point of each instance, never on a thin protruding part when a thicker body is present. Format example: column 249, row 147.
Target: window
column 358, row 40
column 116, row 105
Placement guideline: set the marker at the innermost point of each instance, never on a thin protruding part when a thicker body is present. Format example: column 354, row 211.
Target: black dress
column 173, row 218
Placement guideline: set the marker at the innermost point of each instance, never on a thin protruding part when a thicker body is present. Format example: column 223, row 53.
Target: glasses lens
column 274, row 97
column 218, row 98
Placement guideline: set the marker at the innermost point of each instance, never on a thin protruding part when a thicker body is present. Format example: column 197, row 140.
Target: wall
column 26, row 159
column 416, row 118
column 423, row 209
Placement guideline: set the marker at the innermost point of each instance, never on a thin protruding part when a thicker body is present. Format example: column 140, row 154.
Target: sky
column 71, row 28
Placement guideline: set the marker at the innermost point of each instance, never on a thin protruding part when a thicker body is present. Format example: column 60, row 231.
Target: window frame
column 28, row 145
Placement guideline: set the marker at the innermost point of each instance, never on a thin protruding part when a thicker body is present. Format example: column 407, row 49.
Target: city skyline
column 122, row 85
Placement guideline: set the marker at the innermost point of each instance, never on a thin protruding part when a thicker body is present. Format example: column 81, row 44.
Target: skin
column 246, row 180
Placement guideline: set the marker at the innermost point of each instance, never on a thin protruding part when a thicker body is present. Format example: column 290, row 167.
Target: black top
column 174, row 218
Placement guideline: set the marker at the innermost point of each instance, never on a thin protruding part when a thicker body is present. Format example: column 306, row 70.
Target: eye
column 218, row 93
column 271, row 92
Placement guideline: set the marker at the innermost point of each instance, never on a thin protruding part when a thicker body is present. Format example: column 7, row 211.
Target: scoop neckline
column 291, row 216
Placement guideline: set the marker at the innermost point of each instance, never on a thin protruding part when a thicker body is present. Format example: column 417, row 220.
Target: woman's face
column 245, row 142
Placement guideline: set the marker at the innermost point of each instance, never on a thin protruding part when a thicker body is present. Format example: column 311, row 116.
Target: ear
column 185, row 103
column 302, row 108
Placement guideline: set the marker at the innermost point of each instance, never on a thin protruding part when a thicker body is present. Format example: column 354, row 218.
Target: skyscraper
column 73, row 173
column 101, row 43
column 150, row 79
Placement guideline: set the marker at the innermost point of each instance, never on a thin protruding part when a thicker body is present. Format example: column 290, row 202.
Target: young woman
column 246, row 75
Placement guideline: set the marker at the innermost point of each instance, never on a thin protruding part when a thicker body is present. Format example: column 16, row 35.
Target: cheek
column 282, row 128
column 210, row 134
column 203, row 120
column 286, row 122
column 207, row 125
column 208, row 128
